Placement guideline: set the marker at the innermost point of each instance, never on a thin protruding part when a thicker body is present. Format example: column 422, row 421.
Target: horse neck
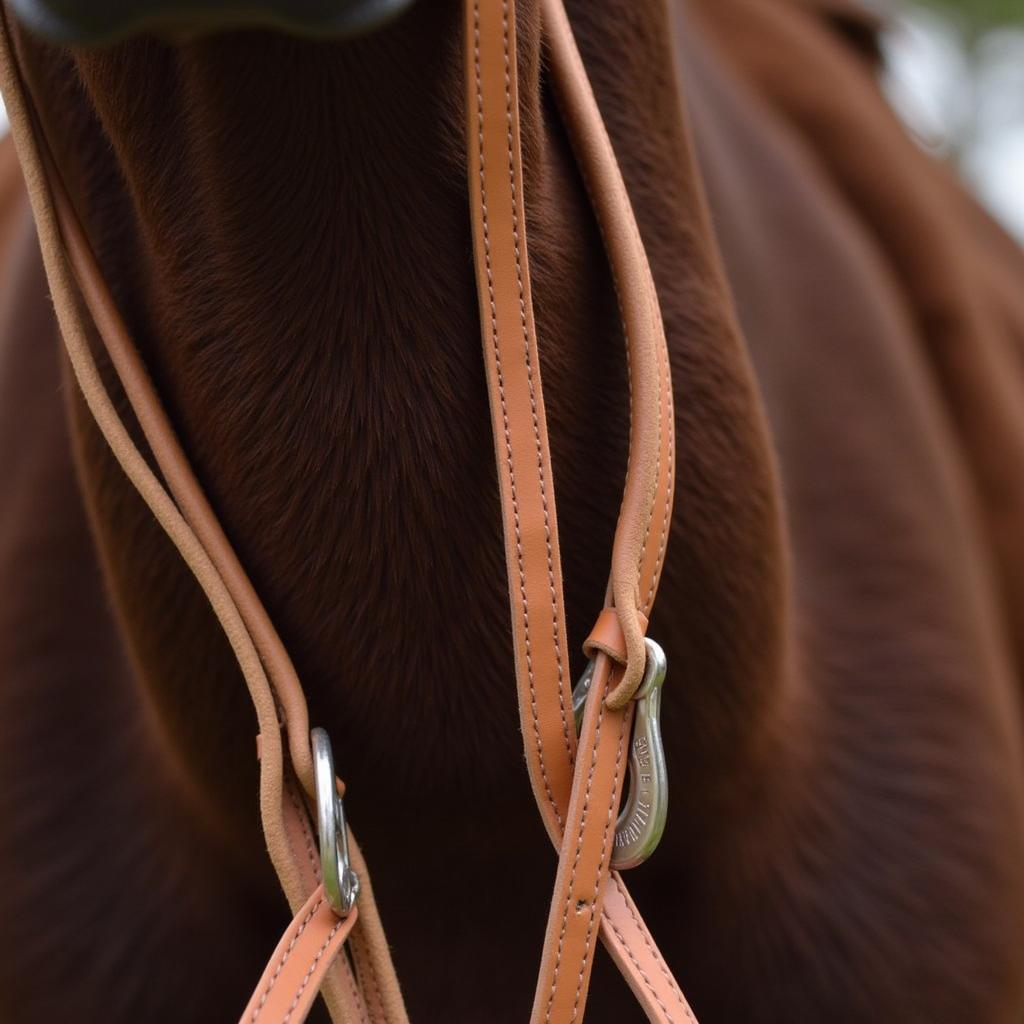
column 286, row 228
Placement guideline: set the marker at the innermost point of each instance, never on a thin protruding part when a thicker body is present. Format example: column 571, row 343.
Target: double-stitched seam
column 665, row 426
column 666, row 394
column 622, row 324
column 284, row 959
column 643, row 975
column 652, row 948
column 576, row 859
column 631, row 226
column 664, row 442
column 529, row 378
column 310, row 970
column 651, row 503
column 661, row 370
column 504, row 412
column 342, row 964
column 602, row 865
column 364, row 964
column 314, row 859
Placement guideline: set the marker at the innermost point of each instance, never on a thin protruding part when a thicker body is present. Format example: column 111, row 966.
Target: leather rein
column 578, row 781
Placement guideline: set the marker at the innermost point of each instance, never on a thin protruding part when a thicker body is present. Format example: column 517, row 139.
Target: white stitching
column 601, row 866
column 314, row 859
column 576, row 859
column 664, row 379
column 655, row 952
column 665, row 392
column 643, row 974
column 284, row 959
column 309, row 972
column 529, row 378
column 575, row 862
column 504, row 410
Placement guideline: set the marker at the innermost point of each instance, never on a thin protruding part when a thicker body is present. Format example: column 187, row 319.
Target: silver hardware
column 341, row 883
column 641, row 820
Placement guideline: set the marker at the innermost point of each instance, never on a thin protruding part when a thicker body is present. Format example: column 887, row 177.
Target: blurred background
column 956, row 77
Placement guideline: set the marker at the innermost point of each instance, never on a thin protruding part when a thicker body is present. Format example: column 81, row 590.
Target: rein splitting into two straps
column 577, row 782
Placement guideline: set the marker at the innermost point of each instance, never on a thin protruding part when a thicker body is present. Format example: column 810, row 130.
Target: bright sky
column 977, row 110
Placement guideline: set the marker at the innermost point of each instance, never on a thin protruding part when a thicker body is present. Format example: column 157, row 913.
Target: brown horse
column 284, row 225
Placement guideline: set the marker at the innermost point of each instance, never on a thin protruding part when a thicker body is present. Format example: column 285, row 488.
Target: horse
column 283, row 224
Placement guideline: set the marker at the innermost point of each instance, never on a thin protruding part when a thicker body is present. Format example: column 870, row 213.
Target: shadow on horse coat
column 285, row 225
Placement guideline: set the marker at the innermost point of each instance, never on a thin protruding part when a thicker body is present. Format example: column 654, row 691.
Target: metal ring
column 340, row 881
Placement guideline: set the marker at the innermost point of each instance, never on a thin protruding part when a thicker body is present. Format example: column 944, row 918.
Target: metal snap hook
column 641, row 820
column 341, row 883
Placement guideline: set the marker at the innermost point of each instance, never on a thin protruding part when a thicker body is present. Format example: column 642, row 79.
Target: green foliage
column 979, row 15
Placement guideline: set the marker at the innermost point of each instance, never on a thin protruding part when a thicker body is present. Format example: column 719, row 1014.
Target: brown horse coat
column 285, row 225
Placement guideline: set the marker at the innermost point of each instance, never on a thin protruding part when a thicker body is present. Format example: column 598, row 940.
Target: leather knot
column 607, row 637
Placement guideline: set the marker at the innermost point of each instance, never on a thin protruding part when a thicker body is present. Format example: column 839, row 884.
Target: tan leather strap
column 187, row 519
column 641, row 535
column 626, row 937
column 517, row 406
column 638, row 553
column 642, row 531
column 190, row 524
column 584, row 862
column 578, row 795
column 292, row 979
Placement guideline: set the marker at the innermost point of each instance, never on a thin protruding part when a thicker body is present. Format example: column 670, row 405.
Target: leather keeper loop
column 608, row 638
